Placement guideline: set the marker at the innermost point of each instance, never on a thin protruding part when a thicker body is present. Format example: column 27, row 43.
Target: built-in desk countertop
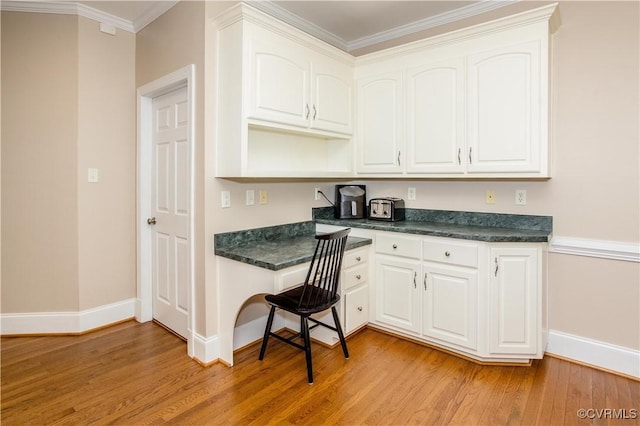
column 276, row 247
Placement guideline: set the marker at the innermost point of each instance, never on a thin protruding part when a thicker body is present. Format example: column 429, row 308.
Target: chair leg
column 267, row 330
column 307, row 347
column 340, row 334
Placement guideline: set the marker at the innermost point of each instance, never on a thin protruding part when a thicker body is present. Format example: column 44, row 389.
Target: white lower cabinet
column 450, row 305
column 482, row 300
column 514, row 302
column 397, row 298
column 353, row 308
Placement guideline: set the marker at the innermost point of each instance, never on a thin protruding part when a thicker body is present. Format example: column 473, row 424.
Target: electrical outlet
column 316, row 194
column 225, row 199
column 250, row 197
column 521, row 197
column 411, row 194
column 264, row 196
column 490, row 197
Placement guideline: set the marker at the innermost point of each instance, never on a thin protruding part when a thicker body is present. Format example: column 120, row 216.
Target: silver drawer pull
column 358, row 259
column 360, row 308
column 358, row 276
column 395, row 246
column 446, row 253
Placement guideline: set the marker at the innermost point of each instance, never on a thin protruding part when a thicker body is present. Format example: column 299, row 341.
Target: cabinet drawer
column 353, row 258
column 356, row 309
column 355, row 276
column 291, row 277
column 398, row 245
column 452, row 253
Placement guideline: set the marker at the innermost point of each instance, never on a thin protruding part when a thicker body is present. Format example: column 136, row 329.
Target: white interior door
column 170, row 205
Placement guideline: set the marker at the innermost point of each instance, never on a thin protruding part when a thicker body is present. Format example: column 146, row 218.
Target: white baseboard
column 598, row 354
column 66, row 322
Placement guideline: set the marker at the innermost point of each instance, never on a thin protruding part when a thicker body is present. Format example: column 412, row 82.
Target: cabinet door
column 450, row 304
column 380, row 124
column 356, row 308
column 435, row 118
column 331, row 96
column 397, row 297
column 514, row 301
column 504, row 105
column 280, row 73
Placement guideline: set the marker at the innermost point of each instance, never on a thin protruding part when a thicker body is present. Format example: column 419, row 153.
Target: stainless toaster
column 387, row 208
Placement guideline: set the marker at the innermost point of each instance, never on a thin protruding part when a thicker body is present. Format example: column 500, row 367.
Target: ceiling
column 346, row 24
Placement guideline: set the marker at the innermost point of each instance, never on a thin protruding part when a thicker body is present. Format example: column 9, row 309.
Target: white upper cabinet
column 435, row 117
column 471, row 103
column 283, row 100
column 331, row 106
column 297, row 86
column 505, row 132
column 379, row 131
column 280, row 76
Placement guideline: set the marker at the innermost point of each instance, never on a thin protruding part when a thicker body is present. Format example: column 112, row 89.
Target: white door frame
column 145, row 94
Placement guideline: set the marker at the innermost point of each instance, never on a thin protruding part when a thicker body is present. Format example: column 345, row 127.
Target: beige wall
column 107, row 141
column 39, row 156
column 68, row 104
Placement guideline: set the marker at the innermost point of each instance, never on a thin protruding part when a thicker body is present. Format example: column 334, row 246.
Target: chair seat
column 289, row 300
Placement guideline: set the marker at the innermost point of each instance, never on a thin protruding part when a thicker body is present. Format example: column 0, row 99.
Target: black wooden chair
column 318, row 293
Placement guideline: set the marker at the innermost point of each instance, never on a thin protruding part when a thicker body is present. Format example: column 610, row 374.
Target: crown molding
column 279, row 12
column 296, row 21
column 428, row 23
column 73, row 8
column 153, row 13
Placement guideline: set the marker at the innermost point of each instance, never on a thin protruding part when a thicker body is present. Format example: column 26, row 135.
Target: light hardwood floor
column 140, row 374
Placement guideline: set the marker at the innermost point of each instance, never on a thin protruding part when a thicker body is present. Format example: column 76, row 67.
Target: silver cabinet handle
column 459, row 151
column 424, row 281
column 307, row 117
column 151, row 221
column 315, row 112
column 398, row 158
column 447, row 253
column 470, row 161
column 359, row 308
column 358, row 276
column 496, row 271
column 358, row 259
column 415, row 275
column 395, row 246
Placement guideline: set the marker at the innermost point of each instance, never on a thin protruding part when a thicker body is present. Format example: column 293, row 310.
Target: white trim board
column 66, row 322
column 72, row 8
column 613, row 250
column 595, row 353
column 302, row 24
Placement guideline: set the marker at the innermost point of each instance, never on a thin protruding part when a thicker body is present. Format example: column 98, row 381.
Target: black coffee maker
column 351, row 201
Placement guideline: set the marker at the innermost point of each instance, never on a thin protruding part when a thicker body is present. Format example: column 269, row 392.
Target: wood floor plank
column 140, row 374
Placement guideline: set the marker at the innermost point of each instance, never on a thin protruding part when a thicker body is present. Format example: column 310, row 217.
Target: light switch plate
column 225, row 199
column 411, row 194
column 250, row 197
column 93, row 175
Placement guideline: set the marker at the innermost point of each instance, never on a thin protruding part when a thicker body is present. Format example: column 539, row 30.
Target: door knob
column 151, row 221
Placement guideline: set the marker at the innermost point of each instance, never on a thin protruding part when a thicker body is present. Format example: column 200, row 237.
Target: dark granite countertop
column 275, row 247
column 489, row 227
column 283, row 246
